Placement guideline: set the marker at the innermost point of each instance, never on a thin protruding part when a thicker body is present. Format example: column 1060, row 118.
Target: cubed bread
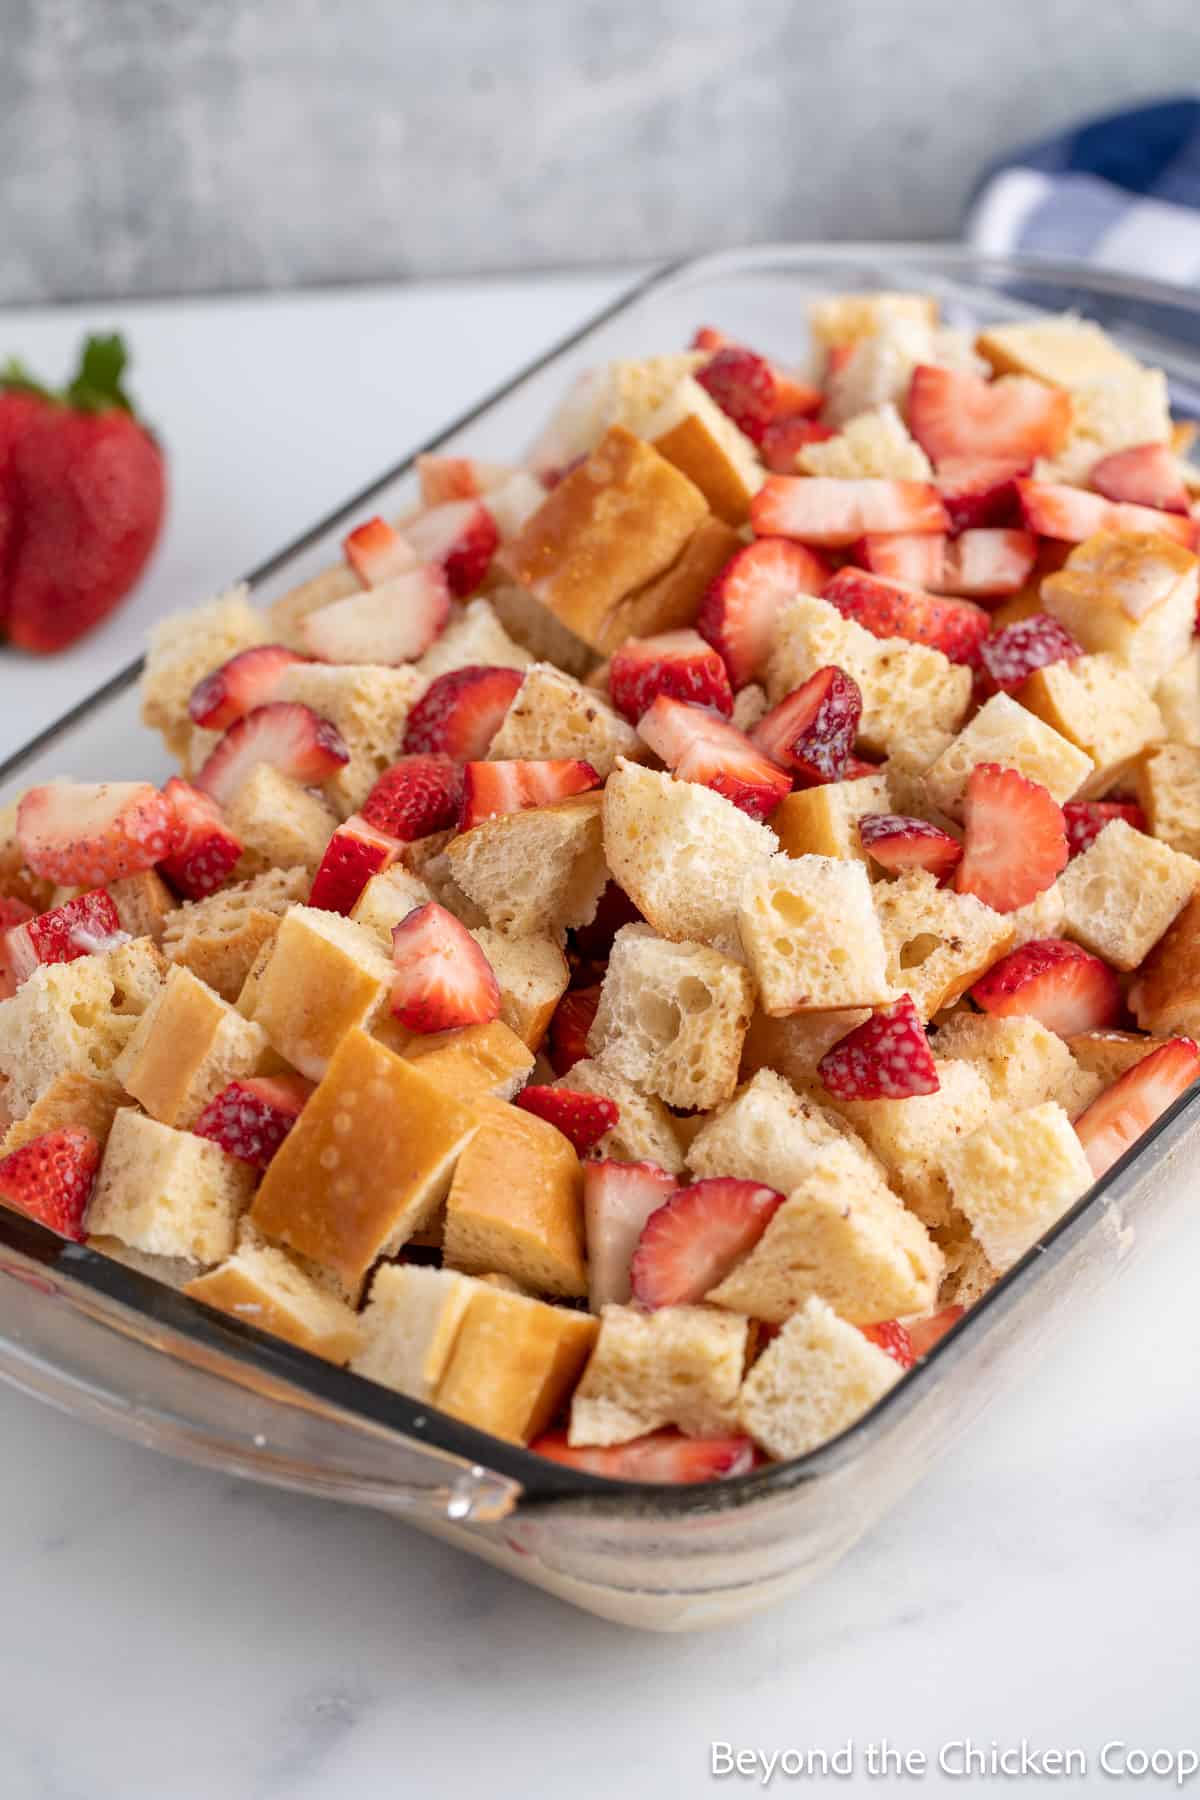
column 367, row 1163
column 60, row 1019
column 1111, row 414
column 388, row 898
column 473, row 639
column 514, row 1363
column 168, row 1192
column 681, row 1365
column 1014, row 1177
column 750, row 707
column 1076, row 1091
column 873, row 445
column 262, row 1286
column 516, row 1204
column 910, row 693
column 1063, row 350
column 137, row 971
column 879, row 370
column 143, row 902
column 426, row 858
column 1022, row 1063
column 672, row 600
column 628, row 393
column 408, row 1328
column 87, row 1101
column 370, row 707
column 187, row 1046
column 679, row 850
column 280, row 824
column 188, row 645
column 770, row 1133
column 323, row 976
column 474, row 1060
column 839, row 320
column 1099, row 706
column 645, row 1131
column 1003, row 732
column 794, row 1046
column 843, row 1236
column 936, row 942
column 692, row 432
column 286, row 616
column 672, row 1018
column 16, row 879
column 1168, row 787
column 1177, row 697
column 913, row 1137
column 537, row 872
column 1130, row 594
column 812, row 1382
column 823, row 821
column 811, row 935
column 218, row 938
column 536, row 628
column 1165, row 996
column 969, row 1274
column 555, row 716
column 1109, row 1053
column 1123, row 893
column 1041, row 918
column 532, row 975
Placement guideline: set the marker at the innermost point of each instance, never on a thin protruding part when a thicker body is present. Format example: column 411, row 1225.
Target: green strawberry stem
column 97, row 385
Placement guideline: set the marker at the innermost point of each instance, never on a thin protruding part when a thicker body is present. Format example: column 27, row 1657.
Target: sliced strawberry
column 794, row 399
column 247, row 680
column 1063, row 987
column 445, row 478
column 442, row 979
column 988, row 563
column 1016, row 839
column 568, row 1034
column 743, row 386
column 13, row 912
column 390, row 624
column 356, row 851
column 980, row 491
column 1146, row 475
column 493, row 788
column 698, row 746
column 618, row 1198
column 785, row 437
column 812, row 730
column 678, row 663
column 415, row 797
column 79, row 927
column 738, row 613
column 833, row 513
column 50, row 1179
column 377, row 552
column 583, row 1118
column 913, row 557
column 461, row 536
column 1008, row 659
column 1055, row 510
column 250, row 1118
column 887, row 1057
column 1118, row 1117
column 82, row 834
column 896, row 842
column 890, row 609
column 707, row 337
column 923, row 1334
column 292, row 738
column 893, row 1337
column 1086, row 819
column 204, row 850
column 690, row 1244
column 858, row 767
column 460, row 713
column 663, row 1457
column 953, row 413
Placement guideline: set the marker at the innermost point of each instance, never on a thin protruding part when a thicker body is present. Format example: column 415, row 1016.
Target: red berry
column 583, row 1118
column 887, row 1057
column 812, row 730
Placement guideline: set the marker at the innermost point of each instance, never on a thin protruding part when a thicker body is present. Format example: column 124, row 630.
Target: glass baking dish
column 130, row 1353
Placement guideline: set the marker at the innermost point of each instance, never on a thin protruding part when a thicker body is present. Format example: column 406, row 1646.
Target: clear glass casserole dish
column 121, row 1349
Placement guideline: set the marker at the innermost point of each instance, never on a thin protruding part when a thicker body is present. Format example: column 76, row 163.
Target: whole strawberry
column 82, row 493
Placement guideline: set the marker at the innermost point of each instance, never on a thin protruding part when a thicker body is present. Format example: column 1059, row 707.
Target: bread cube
column 426, row 858
column 16, row 880
column 1022, row 1063
column 1177, row 697
column 218, row 938
column 913, row 1137
column 281, row 825
column 1063, row 350
column 514, row 1363
column 87, row 1101
column 370, row 707
column 627, row 392
column 969, row 1274
column 1109, row 1053
column 843, row 319
column 555, row 716
column 823, row 821
column 645, row 1130
column 793, row 1047
column 811, row 935
column 473, row 639
column 880, row 370
column 1099, row 706
column 388, row 898
column 672, row 600
column 680, row 851
column 936, row 942
column 409, row 1325
column 144, row 903
column 1077, row 1090
column 1042, row 918
column 769, row 1133
column 1168, row 787
column 692, row 432
column 681, row 1365
column 188, row 645
column 473, row 1061
column 367, row 1163
column 1131, row 594
column 1165, row 996
column 873, row 446
column 262, row 1286
column 1123, row 893
column 1014, row 1177
column 812, row 1382
column 323, row 976
column 1002, row 731
column 750, row 707
column 535, row 872
column 137, row 971
column 60, row 1019
column 536, row 628
column 187, row 1046
column 1113, row 413
column 532, row 974
column 286, row 616
column 516, row 1204
column 168, row 1192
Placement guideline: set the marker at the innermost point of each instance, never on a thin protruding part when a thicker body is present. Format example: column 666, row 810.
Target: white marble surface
column 175, row 1635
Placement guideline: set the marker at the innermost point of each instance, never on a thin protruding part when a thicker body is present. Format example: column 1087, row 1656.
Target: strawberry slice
column 897, row 842
column 1118, row 1117
column 812, row 730
column 785, row 437
column 392, row 623
column 1063, row 987
column 583, row 1118
column 249, row 1119
column 566, row 1039
column 461, row 536
column 442, row 979
column 82, row 834
column 887, row 1057
column 890, row 609
column 292, row 738
column 663, row 1457
column 987, row 563
column 698, row 746
column 794, row 399
column 858, row 767
column 247, row 680
column 493, row 788
column 618, row 1198
column 738, row 612
column 980, row 491
column 895, row 1339
column 743, row 386
column 690, row 1244
column 13, row 912
column 678, row 663
column 1007, row 660
column 1146, row 475
column 707, row 337
column 376, row 552
column 1071, row 514
column 356, row 851
column 51, row 1177
column 833, row 513
column 460, row 713
column 923, row 1334
column 1016, row 839
column 415, row 797
column 204, row 850
column 1086, row 819
column 953, row 413
column 80, row 927
column 915, row 558
column 445, row 478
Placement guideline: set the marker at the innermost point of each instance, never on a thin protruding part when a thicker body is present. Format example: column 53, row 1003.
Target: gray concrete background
column 164, row 146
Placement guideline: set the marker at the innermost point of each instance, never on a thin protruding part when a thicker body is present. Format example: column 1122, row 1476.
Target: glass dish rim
column 542, row 1482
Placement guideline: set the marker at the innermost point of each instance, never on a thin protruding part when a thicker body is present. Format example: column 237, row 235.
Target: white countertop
column 181, row 1636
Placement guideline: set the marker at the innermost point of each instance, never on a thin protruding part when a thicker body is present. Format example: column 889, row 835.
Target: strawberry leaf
column 97, row 386
column 15, row 378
